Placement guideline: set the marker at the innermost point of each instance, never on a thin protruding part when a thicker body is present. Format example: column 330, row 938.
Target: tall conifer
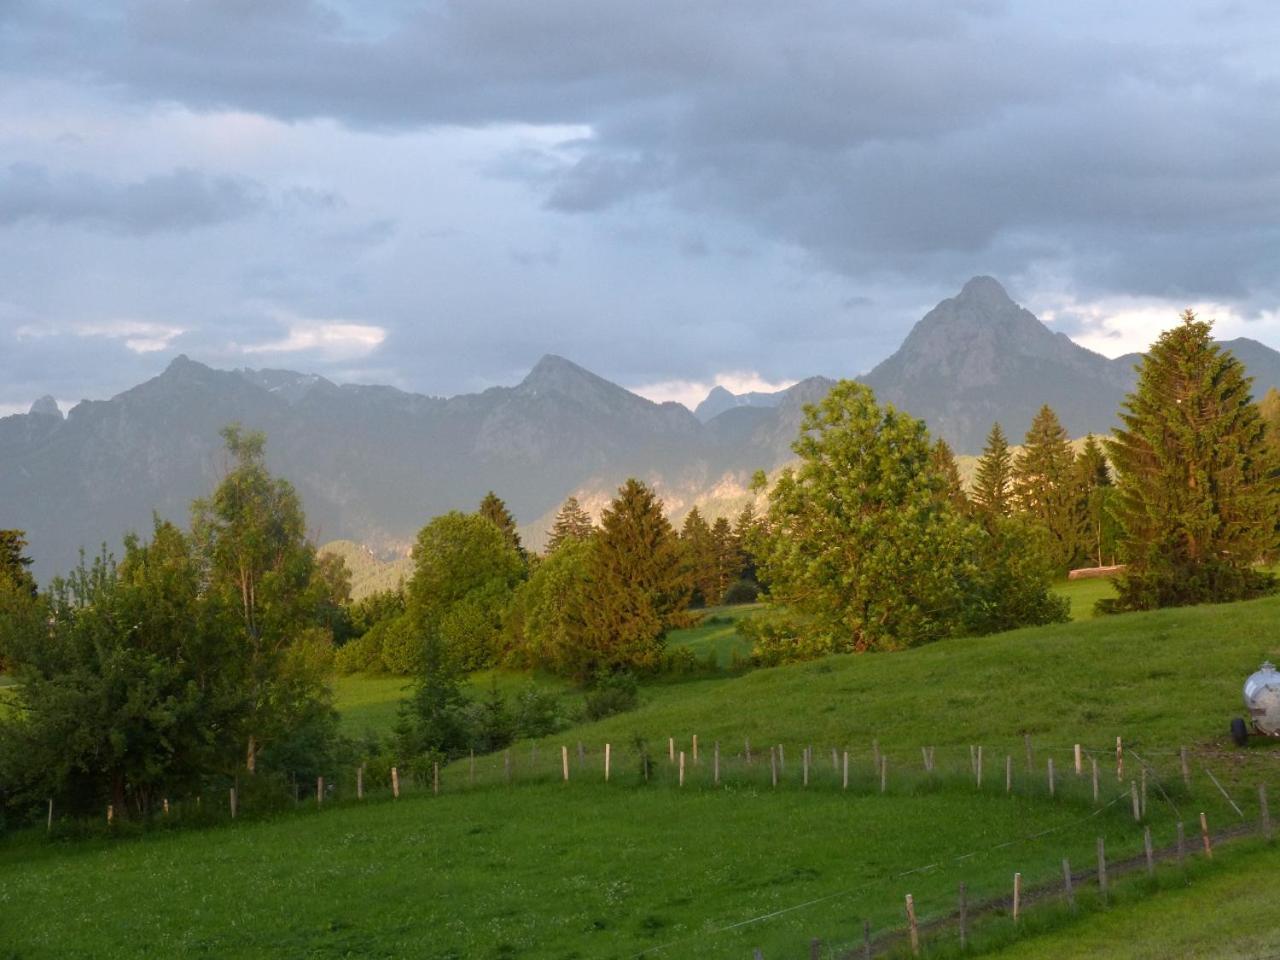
column 1197, row 493
column 494, row 509
column 699, row 550
column 993, row 482
column 1044, row 484
column 943, row 461
column 571, row 523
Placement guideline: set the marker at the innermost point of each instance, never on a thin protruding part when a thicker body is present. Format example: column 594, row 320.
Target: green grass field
column 544, row 869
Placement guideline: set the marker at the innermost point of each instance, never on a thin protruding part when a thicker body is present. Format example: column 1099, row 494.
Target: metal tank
column 1262, row 701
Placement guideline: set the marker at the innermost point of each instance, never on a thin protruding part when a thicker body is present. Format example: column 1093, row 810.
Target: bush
column 537, row 713
column 742, row 591
column 614, row 693
column 779, row 638
column 680, row 662
column 402, row 645
column 362, row 655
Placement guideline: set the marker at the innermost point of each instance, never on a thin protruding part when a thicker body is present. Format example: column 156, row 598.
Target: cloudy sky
column 671, row 193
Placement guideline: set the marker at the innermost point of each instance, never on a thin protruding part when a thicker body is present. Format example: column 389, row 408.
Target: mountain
column 720, row 399
column 373, row 463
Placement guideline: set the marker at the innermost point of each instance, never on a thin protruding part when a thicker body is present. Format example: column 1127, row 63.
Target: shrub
column 362, row 655
column 777, row 637
column 679, row 662
column 742, row 591
column 537, row 713
column 614, row 693
column 401, row 645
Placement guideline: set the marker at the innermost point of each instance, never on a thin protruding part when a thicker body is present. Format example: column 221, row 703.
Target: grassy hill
column 369, row 572
column 628, row 869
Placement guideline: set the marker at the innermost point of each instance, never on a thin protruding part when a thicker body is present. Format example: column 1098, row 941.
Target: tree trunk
column 251, row 754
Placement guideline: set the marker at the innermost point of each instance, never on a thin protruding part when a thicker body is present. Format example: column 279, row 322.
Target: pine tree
column 1093, row 495
column 572, row 523
column 1044, row 485
column 14, row 561
column 943, row 462
column 638, row 585
column 746, row 529
column 1197, row 496
column 728, row 562
column 699, row 551
column 993, row 482
column 494, row 509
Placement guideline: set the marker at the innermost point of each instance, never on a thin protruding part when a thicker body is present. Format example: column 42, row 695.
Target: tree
column 1044, row 485
column 865, row 548
column 993, row 481
column 943, row 461
column 1094, row 489
column 698, row 547
column 493, row 509
column 545, row 624
column 1197, row 495
column 571, row 523
column 464, row 571
column 14, row 562
column 257, row 560
column 638, row 585
column 728, row 561
column 128, row 688
column 746, row 530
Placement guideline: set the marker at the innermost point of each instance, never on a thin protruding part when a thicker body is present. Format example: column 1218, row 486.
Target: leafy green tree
column 698, row 548
column 572, row 523
column 1197, row 492
column 1044, row 485
column 545, row 625
column 128, row 682
column 251, row 538
column 866, row 549
column 993, row 481
column 494, row 509
column 1016, row 563
column 639, row 588
column 464, row 571
column 14, row 563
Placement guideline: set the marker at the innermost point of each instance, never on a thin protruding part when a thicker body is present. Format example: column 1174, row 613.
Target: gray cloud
column 180, row 200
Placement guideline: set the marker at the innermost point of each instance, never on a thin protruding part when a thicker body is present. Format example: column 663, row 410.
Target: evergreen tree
column 639, row 588
column 1044, row 485
column 1094, row 489
column 697, row 546
column 1197, row 492
column 14, row 562
column 746, row 530
column 572, row 523
column 993, row 481
column 943, row 462
column 494, row 509
column 728, row 562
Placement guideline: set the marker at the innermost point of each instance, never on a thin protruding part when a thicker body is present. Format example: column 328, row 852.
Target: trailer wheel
column 1239, row 732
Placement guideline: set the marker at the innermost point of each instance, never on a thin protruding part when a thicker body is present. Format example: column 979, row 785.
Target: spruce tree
column 1044, row 485
column 572, row 523
column 14, row 561
column 943, row 461
column 638, row 586
column 993, row 481
column 728, row 562
column 698, row 548
column 494, row 509
column 1197, row 496
column 746, row 528
column 1093, row 495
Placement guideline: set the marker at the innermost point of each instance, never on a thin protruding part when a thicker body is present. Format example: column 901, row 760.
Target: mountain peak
column 46, row 406
column 984, row 291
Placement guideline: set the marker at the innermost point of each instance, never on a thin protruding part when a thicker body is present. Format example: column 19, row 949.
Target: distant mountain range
column 374, row 463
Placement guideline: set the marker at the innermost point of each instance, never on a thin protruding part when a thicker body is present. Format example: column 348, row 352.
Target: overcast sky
column 671, row 193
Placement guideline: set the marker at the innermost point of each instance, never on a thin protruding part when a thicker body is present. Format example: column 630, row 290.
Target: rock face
column 720, row 399
column 979, row 357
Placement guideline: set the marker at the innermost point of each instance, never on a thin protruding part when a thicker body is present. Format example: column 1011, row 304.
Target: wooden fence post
column 1204, row 835
column 835, row 761
column 979, row 771
column 695, row 748
column 682, row 768
column 49, row 827
column 564, row 762
column 1094, row 762
column 1133, row 799
column 924, row 756
column 1052, row 791
column 607, row 749
column 1066, row 881
column 746, row 748
column 319, row 790
column 471, row 771
column 233, row 803
column 1262, row 807
column 911, row 925
column 111, row 813
column 773, row 764
column 805, row 763
column 360, row 782
column 1146, row 849
column 964, row 916
column 1079, row 758
column 435, row 778
column 866, row 940
column 845, row 774
column 884, row 773
column 973, row 760
column 1142, row 790
column 671, row 749
column 1119, row 759
column 1008, row 773
column 1102, row 868
column 1186, row 767
column 715, row 759
column 395, row 783
column 1017, row 897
